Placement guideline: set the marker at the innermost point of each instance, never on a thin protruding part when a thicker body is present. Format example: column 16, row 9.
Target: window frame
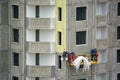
column 118, row 34
column 59, row 38
column 15, row 59
column 15, row 78
column 37, row 35
column 118, row 76
column 37, row 11
column 81, row 13
column 37, row 78
column 118, row 58
column 59, row 13
column 15, row 14
column 37, row 58
column 81, row 44
column 118, row 9
column 59, row 62
column 15, row 35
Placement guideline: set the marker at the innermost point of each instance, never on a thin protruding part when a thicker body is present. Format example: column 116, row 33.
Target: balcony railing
column 40, row 23
column 41, row 2
column 40, row 47
column 41, row 71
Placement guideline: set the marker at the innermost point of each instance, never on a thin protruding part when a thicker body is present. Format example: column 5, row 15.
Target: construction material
column 80, row 59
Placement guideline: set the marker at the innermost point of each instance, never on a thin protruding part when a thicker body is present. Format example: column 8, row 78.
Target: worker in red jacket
column 73, row 56
column 96, row 55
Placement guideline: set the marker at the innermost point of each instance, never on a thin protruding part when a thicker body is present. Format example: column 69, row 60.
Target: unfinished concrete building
column 32, row 39
column 82, row 25
column 35, row 33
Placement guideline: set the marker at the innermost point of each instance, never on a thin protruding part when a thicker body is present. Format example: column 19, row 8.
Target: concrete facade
column 4, row 38
column 108, row 68
column 27, row 48
column 101, row 19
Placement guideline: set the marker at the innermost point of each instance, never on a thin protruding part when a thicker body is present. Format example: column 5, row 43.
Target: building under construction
column 34, row 34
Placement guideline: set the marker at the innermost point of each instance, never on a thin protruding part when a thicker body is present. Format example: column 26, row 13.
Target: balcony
column 101, row 20
column 40, row 23
column 41, row 71
column 41, row 2
column 40, row 47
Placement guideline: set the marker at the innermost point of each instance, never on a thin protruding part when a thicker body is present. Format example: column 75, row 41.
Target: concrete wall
column 4, row 40
column 107, row 69
column 84, row 25
column 114, row 43
column 18, row 71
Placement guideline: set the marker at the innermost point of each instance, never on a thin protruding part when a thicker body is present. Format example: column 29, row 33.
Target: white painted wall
column 47, row 36
column 30, row 11
column 102, row 8
column 47, row 59
column 47, row 11
column 30, row 35
column 44, row 59
column 102, row 57
column 101, row 33
column 30, row 59
column 33, row 78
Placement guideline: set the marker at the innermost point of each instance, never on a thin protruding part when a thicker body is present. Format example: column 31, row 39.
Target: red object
column 69, row 58
column 96, row 55
column 74, row 57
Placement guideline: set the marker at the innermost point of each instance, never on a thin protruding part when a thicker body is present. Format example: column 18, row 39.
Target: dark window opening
column 59, row 62
column 118, row 76
column 59, row 38
column 60, row 14
column 15, row 11
column 81, row 79
column 80, row 37
column 37, row 35
column 37, row 58
column 15, row 35
column 118, row 56
column 37, row 11
column 15, row 78
column 81, row 66
column 80, row 13
column 36, row 78
column 118, row 32
column 15, row 59
column 118, row 9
